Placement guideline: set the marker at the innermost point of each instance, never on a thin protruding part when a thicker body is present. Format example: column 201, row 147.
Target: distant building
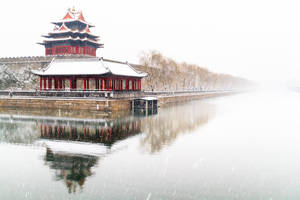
column 72, row 37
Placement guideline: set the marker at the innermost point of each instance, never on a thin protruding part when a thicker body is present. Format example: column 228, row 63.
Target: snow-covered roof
column 86, row 31
column 118, row 69
column 70, row 38
column 88, row 66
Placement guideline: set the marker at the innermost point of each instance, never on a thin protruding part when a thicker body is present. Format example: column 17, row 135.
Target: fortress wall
column 34, row 62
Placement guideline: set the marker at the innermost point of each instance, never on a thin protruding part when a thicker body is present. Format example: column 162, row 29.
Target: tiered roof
column 72, row 27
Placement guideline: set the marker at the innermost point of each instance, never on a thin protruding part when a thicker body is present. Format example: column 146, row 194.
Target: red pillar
column 74, row 84
column 101, row 84
column 107, row 83
column 45, row 83
column 96, row 84
column 133, row 84
column 57, row 83
column 41, row 83
column 88, row 84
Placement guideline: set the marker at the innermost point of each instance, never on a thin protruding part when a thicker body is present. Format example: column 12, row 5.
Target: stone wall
column 66, row 104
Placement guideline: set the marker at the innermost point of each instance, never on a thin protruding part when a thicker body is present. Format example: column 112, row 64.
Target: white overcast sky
column 257, row 39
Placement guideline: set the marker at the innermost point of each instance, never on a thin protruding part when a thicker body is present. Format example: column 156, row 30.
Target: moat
column 243, row 146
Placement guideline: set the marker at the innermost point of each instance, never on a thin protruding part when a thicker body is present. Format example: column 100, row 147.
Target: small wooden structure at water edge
column 147, row 103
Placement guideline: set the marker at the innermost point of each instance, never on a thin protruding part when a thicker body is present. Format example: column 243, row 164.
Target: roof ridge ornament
column 68, row 16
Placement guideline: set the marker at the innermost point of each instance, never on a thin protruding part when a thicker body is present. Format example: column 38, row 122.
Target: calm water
column 244, row 146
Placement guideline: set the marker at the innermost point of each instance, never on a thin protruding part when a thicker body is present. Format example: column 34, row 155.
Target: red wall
column 63, row 50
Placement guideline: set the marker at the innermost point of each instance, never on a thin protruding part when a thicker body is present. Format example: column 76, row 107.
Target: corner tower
column 71, row 36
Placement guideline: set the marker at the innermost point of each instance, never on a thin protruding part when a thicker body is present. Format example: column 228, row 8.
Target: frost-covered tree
column 22, row 78
column 166, row 74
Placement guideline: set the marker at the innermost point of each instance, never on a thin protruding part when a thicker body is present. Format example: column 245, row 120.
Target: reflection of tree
column 73, row 169
column 163, row 129
column 17, row 133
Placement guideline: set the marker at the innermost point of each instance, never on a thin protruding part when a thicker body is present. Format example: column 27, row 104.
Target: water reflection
column 17, row 133
column 76, row 145
column 70, row 168
column 74, row 148
column 163, row 129
column 102, row 132
column 73, row 145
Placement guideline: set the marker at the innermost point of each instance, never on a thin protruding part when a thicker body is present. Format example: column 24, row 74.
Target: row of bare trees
column 165, row 74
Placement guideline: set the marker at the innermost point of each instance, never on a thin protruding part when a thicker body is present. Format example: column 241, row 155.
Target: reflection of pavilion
column 74, row 148
column 72, row 169
column 105, row 133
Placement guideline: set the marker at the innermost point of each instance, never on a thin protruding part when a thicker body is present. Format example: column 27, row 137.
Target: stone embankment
column 100, row 103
